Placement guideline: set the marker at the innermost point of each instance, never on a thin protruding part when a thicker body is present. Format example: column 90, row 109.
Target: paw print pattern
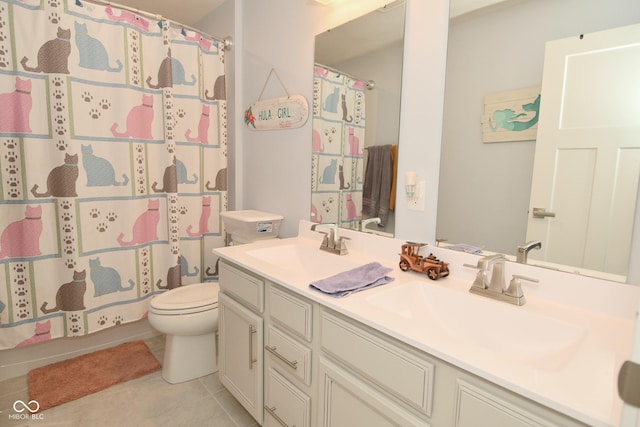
column 67, row 228
column 59, row 107
column 19, row 268
column 54, row 3
column 69, row 250
column 58, row 94
column 60, row 130
column 12, row 169
column 20, row 280
column 10, row 144
column 14, row 193
column 58, row 81
column 65, row 204
column 87, row 97
column 183, row 210
column 74, row 318
column 62, row 145
column 111, row 216
column 102, row 320
column 105, row 104
column 101, row 227
column 66, row 216
column 118, row 320
column 95, row 213
column 11, row 156
column 54, row 18
column 181, row 113
column 74, row 328
column 59, row 120
column 70, row 263
column 94, row 113
column 23, row 313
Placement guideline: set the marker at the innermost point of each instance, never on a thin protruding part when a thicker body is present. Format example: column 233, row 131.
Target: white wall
column 274, row 167
column 484, row 188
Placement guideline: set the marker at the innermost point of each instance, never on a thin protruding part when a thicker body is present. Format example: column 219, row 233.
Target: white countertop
column 580, row 382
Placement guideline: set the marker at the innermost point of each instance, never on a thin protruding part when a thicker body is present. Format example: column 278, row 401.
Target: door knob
column 542, row 213
column 629, row 383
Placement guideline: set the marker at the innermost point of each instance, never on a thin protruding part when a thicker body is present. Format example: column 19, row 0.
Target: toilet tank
column 247, row 226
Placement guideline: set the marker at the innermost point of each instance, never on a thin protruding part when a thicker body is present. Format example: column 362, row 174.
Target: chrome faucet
column 496, row 287
column 331, row 242
column 365, row 222
column 523, row 250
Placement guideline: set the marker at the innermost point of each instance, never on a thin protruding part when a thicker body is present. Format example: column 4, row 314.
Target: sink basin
column 506, row 330
column 303, row 260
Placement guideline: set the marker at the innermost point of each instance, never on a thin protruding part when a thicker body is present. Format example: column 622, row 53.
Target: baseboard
column 19, row 361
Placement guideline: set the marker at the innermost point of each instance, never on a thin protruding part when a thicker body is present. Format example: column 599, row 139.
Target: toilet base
column 189, row 357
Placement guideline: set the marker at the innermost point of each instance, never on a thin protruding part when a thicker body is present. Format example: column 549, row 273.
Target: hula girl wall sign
column 511, row 116
column 287, row 112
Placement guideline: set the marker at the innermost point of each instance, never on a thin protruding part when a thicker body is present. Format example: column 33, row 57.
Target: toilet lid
column 187, row 296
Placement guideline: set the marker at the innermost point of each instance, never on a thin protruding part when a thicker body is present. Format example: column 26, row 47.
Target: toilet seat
column 186, row 299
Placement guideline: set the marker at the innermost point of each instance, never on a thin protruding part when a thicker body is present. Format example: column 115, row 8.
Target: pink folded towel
column 357, row 279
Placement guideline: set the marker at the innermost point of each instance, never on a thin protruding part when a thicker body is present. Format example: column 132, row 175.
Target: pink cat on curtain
column 129, row 17
column 15, row 108
column 22, row 238
column 139, row 121
column 42, row 333
column 203, row 128
column 145, row 227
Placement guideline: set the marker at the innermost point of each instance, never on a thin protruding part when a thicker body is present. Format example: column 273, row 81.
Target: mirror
column 484, row 188
column 357, row 85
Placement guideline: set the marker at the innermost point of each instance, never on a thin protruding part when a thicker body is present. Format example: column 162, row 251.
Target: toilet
column 188, row 315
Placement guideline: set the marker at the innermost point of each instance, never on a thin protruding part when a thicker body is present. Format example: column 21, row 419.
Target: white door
column 587, row 158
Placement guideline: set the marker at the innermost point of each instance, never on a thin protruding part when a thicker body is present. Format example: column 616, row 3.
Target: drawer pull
column 251, row 359
column 272, row 412
column 274, row 350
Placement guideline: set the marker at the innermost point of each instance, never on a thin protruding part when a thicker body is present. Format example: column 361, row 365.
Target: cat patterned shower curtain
column 338, row 148
column 112, row 165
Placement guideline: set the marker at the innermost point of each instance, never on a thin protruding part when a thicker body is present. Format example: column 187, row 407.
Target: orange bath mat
column 72, row 379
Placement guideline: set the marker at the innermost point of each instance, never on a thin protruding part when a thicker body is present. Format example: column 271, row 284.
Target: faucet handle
column 515, row 287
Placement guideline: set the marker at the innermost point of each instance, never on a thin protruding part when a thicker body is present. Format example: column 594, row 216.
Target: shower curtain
column 338, row 148
column 112, row 165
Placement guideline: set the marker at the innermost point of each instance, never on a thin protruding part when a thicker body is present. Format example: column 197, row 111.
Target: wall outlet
column 416, row 203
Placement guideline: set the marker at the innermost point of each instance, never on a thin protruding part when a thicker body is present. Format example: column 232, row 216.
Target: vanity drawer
column 399, row 372
column 243, row 286
column 285, row 404
column 287, row 353
column 290, row 312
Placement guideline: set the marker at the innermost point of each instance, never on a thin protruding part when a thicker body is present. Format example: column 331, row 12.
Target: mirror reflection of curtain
column 338, row 148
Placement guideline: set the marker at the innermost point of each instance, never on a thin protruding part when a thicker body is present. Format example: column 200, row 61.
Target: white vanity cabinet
column 291, row 361
column 289, row 385
column 240, row 337
column 367, row 375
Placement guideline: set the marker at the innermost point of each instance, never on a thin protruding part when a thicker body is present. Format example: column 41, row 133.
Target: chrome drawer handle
column 274, row 350
column 251, row 359
column 272, row 412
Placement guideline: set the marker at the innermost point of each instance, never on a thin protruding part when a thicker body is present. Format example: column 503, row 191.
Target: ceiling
column 175, row 10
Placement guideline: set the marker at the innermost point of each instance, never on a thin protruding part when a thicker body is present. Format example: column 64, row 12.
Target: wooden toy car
column 410, row 259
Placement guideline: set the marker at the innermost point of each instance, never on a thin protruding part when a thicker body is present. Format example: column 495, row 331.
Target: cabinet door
column 241, row 362
column 347, row 401
column 477, row 407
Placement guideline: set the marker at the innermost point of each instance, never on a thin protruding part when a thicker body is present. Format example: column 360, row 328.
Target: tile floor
column 145, row 401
